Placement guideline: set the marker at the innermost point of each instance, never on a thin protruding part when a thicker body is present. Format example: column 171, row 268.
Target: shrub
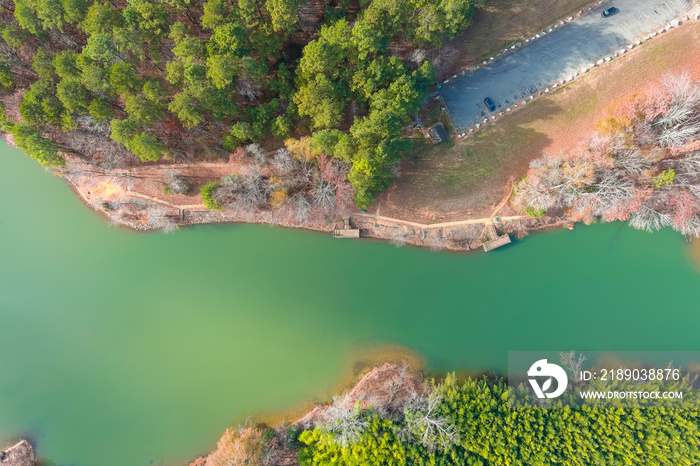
column 207, row 193
column 292, row 436
column 536, row 213
column 665, row 178
column 230, row 180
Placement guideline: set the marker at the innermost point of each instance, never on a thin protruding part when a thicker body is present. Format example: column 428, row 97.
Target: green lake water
column 118, row 348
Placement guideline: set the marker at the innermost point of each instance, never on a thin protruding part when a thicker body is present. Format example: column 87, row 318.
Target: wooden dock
column 347, row 231
column 495, row 241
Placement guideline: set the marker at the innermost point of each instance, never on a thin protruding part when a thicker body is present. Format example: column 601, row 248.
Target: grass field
column 463, row 179
column 498, row 23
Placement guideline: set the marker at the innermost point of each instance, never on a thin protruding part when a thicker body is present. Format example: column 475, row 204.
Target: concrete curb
column 522, row 41
column 471, row 129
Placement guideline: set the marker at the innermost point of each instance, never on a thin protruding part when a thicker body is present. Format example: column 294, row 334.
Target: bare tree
column 649, row 219
column 689, row 165
column 443, row 58
column 436, row 242
column 243, row 193
column 616, row 178
column 397, row 236
column 310, row 18
column 254, row 150
column 118, row 157
column 157, row 218
column 314, row 186
column 632, row 161
column 691, row 228
column 533, row 192
column 301, row 206
column 610, row 197
column 389, row 401
column 417, row 56
column 176, row 182
column 344, row 419
column 680, row 122
column 247, row 89
column 246, row 445
column 323, row 195
column 283, row 162
column 573, row 363
column 424, row 424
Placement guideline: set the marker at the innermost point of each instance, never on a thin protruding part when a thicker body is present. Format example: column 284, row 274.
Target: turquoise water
column 119, row 348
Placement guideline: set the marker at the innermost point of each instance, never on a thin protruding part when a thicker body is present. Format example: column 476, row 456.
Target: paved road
column 556, row 56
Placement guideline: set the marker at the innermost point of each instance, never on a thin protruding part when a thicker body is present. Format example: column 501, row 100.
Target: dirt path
column 456, row 223
column 136, row 193
column 475, row 221
column 178, row 166
column 505, row 199
column 166, row 203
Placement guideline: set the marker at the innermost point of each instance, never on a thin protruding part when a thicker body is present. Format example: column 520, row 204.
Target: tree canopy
column 233, row 73
column 471, row 423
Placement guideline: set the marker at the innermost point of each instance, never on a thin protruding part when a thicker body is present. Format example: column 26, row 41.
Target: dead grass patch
column 499, row 23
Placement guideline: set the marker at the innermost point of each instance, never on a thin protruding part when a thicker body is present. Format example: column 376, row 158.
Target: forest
column 407, row 420
column 191, row 80
column 642, row 165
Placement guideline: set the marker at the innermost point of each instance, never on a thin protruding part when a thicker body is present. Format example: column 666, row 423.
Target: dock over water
column 494, row 241
column 346, row 231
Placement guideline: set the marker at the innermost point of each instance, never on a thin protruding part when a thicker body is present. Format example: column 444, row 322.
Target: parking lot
column 555, row 56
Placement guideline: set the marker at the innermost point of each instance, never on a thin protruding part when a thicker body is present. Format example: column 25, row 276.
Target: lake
column 121, row 348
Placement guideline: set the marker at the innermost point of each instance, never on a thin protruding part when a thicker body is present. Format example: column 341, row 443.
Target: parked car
column 609, row 12
column 489, row 103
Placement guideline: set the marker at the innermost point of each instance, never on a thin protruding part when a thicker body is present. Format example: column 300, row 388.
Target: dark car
column 609, row 12
column 489, row 103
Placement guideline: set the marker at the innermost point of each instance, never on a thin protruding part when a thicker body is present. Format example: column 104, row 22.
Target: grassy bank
column 498, row 23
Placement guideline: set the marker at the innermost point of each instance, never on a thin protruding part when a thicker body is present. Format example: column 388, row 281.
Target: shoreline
column 19, row 453
column 462, row 235
column 462, row 238
column 379, row 232
column 358, row 364
column 369, row 384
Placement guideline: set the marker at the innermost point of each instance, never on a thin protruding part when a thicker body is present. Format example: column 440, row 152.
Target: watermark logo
column 544, row 369
column 603, row 379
